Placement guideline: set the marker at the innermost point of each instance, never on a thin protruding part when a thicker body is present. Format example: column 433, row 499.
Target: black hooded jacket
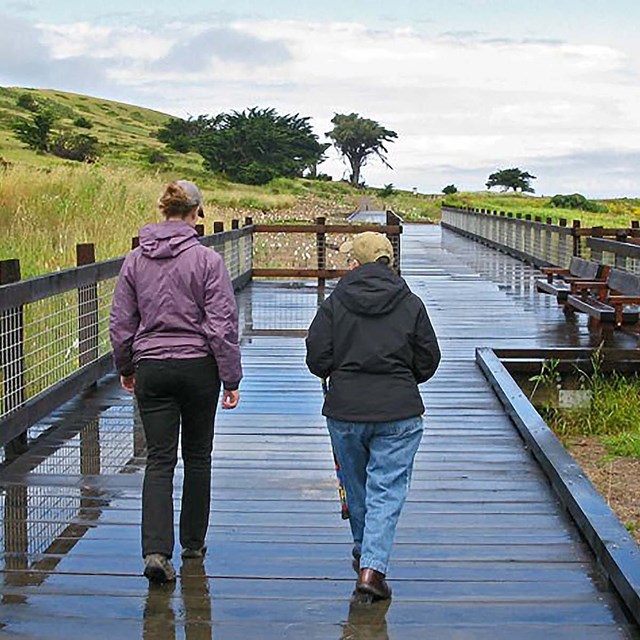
column 373, row 339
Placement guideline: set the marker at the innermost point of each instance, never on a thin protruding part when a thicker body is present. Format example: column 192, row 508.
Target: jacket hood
column 167, row 239
column 371, row 290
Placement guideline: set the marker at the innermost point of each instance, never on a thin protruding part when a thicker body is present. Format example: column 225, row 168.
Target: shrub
column 35, row 133
column 157, row 157
column 450, row 189
column 76, row 146
column 28, row 102
column 83, row 123
column 323, row 177
column 576, row 201
column 386, row 191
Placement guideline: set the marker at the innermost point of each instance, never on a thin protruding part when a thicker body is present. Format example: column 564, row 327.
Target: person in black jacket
column 372, row 338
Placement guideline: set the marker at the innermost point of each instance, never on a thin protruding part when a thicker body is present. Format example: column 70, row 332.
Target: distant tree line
column 256, row 145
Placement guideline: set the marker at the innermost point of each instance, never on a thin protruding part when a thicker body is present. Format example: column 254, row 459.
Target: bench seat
column 558, row 281
column 617, row 300
column 601, row 310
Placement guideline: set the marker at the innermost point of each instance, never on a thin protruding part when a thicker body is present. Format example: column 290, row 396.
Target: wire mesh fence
column 313, row 250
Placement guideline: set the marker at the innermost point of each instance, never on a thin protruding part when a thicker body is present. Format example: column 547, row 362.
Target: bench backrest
column 623, row 282
column 585, row 269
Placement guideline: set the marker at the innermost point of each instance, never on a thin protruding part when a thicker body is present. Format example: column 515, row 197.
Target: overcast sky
column 470, row 86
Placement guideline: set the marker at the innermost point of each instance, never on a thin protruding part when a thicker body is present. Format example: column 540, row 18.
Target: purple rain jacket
column 174, row 299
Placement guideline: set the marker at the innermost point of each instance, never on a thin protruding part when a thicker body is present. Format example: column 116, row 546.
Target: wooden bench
column 558, row 281
column 616, row 300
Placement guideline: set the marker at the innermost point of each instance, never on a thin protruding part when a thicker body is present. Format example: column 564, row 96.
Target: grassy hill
column 126, row 133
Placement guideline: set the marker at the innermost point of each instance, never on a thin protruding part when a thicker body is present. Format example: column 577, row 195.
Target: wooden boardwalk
column 483, row 551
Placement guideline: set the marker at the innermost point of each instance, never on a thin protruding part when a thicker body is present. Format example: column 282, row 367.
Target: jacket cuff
column 231, row 386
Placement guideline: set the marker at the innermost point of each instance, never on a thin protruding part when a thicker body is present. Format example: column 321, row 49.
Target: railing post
column 393, row 220
column 87, row 310
column 234, row 270
column 575, row 232
column 200, row 229
column 321, row 249
column 218, row 227
column 596, row 254
column 12, row 357
column 248, row 247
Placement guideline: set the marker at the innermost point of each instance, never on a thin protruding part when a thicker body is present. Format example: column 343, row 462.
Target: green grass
column 620, row 211
column 613, row 414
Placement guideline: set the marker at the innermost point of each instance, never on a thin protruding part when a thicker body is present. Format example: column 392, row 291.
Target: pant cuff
column 367, row 562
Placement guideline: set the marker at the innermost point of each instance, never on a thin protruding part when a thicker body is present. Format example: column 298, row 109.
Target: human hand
column 128, row 383
column 230, row 399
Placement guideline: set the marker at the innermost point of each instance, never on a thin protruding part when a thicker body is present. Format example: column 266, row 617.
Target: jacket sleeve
column 426, row 353
column 320, row 342
column 124, row 319
column 221, row 322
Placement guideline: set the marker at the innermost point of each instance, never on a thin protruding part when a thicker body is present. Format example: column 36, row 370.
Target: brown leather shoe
column 372, row 583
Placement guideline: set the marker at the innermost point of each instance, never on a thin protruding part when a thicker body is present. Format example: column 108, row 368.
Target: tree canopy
column 511, row 179
column 257, row 145
column 182, row 135
column 357, row 139
column 35, row 133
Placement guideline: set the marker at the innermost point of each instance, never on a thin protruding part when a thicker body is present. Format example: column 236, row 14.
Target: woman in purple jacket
column 174, row 332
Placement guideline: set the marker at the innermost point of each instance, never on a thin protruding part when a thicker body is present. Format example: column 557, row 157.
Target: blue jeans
column 376, row 460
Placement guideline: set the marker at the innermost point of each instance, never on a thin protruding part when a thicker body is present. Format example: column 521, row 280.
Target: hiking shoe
column 158, row 568
column 372, row 583
column 194, row 553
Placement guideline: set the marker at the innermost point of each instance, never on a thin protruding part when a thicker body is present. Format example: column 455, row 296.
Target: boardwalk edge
column 615, row 550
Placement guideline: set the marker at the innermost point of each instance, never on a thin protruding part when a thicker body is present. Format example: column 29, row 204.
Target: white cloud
column 460, row 102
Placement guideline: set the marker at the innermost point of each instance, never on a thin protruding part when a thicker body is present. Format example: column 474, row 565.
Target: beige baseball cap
column 368, row 247
column 194, row 194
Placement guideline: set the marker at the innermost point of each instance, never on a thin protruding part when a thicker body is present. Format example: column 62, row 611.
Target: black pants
column 170, row 393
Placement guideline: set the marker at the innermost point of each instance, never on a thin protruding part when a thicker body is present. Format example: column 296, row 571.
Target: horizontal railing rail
column 622, row 255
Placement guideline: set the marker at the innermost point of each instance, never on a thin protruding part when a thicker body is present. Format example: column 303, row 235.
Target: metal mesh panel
column 47, row 340
column 283, row 307
column 237, row 254
column 279, row 250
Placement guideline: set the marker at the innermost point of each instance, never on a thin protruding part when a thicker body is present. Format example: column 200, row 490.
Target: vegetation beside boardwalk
column 619, row 212
column 603, row 435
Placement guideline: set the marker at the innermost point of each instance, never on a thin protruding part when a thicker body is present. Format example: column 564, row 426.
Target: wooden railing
column 312, row 250
column 544, row 243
